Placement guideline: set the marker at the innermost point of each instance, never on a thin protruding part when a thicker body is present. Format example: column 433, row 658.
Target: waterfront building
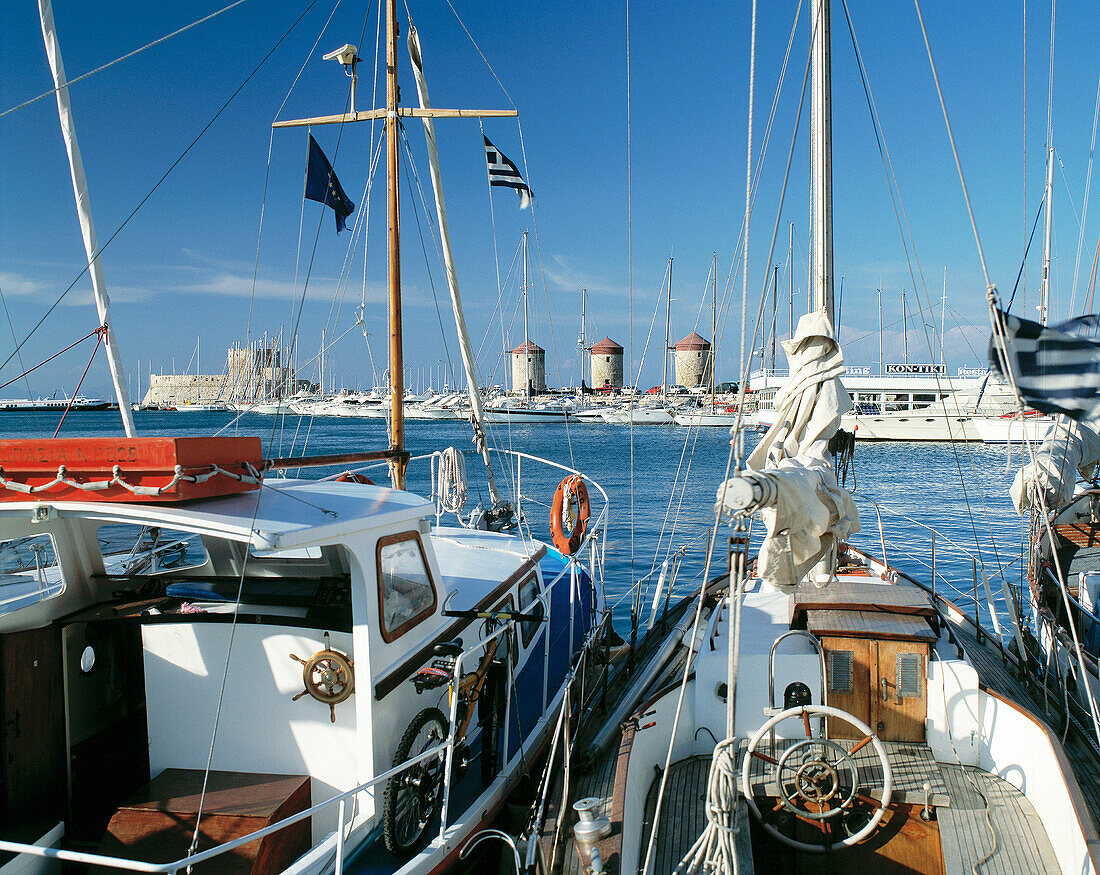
column 529, row 366
column 607, row 364
column 693, row 364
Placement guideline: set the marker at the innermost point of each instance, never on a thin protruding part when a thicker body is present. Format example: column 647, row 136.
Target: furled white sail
column 448, row 261
column 806, row 512
column 1069, row 449
column 84, row 211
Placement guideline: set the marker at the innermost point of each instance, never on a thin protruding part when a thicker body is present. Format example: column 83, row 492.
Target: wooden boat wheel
column 329, row 677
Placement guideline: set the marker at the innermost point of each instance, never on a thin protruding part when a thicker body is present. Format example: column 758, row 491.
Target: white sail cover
column 1069, row 449
column 811, row 512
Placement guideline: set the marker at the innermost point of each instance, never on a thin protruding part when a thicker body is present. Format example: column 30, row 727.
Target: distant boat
column 213, row 407
column 25, row 405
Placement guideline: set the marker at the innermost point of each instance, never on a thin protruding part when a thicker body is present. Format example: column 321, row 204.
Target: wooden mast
column 397, row 363
column 392, row 112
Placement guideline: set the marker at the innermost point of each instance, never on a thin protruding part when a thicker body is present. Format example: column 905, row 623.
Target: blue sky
column 182, row 268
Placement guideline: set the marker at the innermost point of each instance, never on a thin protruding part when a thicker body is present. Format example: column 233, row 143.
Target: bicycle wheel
column 490, row 708
column 413, row 798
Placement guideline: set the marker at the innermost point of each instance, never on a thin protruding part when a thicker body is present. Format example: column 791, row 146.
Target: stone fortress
column 253, row 372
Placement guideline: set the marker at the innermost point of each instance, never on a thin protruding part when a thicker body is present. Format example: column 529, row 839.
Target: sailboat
column 820, row 710
column 326, row 673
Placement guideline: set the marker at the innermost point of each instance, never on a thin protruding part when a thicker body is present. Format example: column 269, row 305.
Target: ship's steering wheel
column 818, row 779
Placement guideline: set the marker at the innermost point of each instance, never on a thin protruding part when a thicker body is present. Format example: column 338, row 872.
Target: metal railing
column 938, row 551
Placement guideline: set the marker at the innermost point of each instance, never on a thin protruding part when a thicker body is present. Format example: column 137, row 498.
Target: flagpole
column 397, row 365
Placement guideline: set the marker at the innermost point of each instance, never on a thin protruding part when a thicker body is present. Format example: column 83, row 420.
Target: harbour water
column 667, row 505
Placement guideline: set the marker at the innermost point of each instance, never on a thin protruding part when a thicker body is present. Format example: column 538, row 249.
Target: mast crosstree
column 391, row 112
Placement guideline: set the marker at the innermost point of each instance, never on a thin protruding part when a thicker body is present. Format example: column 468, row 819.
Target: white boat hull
column 640, row 416
column 999, row 430
column 518, row 415
column 704, row 420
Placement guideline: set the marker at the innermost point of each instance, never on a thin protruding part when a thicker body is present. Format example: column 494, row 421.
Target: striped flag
column 1056, row 368
column 504, row 172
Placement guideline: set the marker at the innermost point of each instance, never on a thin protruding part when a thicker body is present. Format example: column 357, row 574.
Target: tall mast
column 748, row 202
column 391, row 112
column 790, row 265
column 713, row 321
column 904, row 330
column 668, row 308
column 84, row 213
column 581, row 341
column 397, row 362
column 1048, row 192
column 821, row 163
column 526, row 352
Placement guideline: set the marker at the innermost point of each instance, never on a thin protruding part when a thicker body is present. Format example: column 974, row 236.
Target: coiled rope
column 452, row 481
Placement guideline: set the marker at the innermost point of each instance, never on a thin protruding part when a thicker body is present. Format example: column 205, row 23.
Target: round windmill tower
column 607, row 364
column 528, row 364
column 692, row 357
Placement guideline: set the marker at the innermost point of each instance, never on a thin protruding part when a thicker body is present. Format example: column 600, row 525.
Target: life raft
column 352, row 477
column 136, row 469
column 569, row 508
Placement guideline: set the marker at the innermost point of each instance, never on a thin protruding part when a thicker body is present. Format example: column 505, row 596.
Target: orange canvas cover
column 208, row 467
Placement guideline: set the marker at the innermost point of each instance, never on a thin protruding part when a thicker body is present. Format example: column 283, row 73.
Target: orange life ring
column 570, row 507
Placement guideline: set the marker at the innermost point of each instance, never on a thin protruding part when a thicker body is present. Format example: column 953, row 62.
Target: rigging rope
column 919, row 286
column 119, row 60
column 158, row 183
column 101, row 338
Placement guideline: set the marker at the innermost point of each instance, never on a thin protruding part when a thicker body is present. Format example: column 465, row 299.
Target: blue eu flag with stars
column 323, row 186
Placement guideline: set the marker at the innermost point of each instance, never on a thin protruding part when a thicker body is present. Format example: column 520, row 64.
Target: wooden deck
column 1000, row 676
column 1013, row 837
column 976, row 813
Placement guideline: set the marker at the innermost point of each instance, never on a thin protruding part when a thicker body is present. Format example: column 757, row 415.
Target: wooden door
column 32, row 728
column 863, row 679
column 848, row 679
column 899, row 700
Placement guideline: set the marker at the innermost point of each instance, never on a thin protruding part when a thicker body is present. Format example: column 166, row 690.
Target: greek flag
column 504, row 172
column 1056, row 368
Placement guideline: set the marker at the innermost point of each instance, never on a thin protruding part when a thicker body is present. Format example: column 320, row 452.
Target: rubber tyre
column 416, row 793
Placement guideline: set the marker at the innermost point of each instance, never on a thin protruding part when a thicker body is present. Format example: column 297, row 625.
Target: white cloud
column 14, row 285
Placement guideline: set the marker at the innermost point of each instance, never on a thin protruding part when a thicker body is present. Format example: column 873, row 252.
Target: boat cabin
column 271, row 635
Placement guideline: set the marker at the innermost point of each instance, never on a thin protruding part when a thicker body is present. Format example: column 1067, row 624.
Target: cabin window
column 529, row 604
column 840, row 671
column 406, row 594
column 29, row 572
column 130, row 549
column 908, row 679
